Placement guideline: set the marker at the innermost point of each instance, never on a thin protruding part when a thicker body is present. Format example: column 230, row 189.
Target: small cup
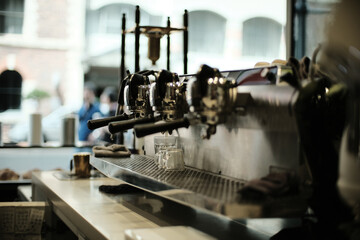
column 161, row 144
column 173, row 160
column 164, row 142
column 159, row 158
column 82, row 164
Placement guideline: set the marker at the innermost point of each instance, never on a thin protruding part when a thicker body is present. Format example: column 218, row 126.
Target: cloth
column 114, row 151
column 272, row 185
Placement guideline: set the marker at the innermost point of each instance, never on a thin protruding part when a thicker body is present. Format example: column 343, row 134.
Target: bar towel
column 273, row 185
column 113, row 151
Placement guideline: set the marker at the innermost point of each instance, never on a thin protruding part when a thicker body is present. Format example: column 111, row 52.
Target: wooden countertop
column 89, row 213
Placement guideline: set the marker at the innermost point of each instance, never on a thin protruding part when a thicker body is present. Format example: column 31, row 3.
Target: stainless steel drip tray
column 193, row 187
column 195, row 181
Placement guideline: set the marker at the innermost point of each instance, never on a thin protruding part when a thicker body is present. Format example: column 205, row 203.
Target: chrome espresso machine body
column 236, row 124
column 233, row 126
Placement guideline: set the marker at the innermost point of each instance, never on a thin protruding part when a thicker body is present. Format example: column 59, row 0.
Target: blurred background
column 49, row 49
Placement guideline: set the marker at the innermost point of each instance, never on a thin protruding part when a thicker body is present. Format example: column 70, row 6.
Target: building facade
column 44, row 41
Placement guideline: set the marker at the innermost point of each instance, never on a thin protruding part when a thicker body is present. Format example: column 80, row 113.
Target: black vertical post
column 300, row 41
column 186, row 40
column 122, row 64
column 119, row 136
column 168, row 46
column 290, row 25
column 137, row 39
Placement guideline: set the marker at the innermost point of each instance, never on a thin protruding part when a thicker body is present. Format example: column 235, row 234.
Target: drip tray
column 142, row 170
column 64, row 175
column 197, row 188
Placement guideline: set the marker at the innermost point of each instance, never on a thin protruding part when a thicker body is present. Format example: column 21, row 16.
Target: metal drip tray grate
column 201, row 182
column 197, row 188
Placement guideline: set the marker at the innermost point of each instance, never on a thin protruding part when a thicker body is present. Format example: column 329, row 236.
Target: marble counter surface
column 89, row 213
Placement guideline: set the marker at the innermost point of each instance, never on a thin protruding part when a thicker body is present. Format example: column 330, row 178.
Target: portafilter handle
column 151, row 128
column 115, row 127
column 102, row 122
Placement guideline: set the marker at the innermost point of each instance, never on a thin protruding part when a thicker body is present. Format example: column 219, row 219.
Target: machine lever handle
column 115, row 127
column 147, row 129
column 102, row 122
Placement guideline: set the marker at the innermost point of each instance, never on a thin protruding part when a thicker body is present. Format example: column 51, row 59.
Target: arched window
column 103, row 35
column 206, row 32
column 10, row 90
column 261, row 37
column 107, row 19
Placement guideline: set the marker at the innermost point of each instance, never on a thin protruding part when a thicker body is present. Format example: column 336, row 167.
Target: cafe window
column 206, row 32
column 310, row 17
column 11, row 16
column 107, row 19
column 261, row 37
column 110, row 19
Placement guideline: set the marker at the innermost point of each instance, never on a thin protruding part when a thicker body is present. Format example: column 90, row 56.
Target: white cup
column 161, row 144
column 173, row 160
column 159, row 158
column 164, row 142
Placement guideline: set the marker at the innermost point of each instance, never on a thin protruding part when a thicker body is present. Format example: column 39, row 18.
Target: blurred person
column 108, row 101
column 108, row 105
column 89, row 110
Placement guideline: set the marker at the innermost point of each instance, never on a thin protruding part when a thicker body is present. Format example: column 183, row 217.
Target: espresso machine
column 234, row 117
column 247, row 129
column 233, row 127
